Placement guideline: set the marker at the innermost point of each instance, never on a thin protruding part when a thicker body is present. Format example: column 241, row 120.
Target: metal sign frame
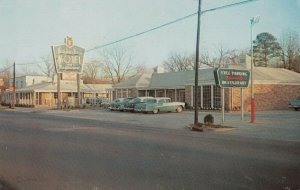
column 232, row 78
column 68, row 57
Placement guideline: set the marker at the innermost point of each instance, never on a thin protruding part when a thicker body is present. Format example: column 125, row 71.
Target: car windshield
column 150, row 100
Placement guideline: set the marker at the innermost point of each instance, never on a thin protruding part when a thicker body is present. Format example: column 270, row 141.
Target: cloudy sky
column 29, row 28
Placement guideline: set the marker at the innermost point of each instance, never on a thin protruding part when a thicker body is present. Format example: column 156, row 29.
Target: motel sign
column 68, row 57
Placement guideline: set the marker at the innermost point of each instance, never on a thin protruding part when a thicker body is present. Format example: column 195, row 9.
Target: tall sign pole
column 253, row 21
column 58, row 91
column 78, row 91
column 68, row 60
column 197, row 67
column 14, row 87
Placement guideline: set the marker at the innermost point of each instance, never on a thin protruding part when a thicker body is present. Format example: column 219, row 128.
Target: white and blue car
column 155, row 105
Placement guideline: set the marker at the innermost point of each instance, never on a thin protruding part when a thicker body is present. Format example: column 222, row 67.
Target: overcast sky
column 28, row 28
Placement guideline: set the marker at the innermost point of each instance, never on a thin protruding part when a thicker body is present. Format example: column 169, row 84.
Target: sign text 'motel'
column 232, row 78
column 68, row 57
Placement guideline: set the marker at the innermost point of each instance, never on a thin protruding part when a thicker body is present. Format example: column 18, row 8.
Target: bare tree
column 206, row 59
column 290, row 44
column 6, row 73
column 221, row 56
column 47, row 66
column 179, row 62
column 90, row 71
column 118, row 64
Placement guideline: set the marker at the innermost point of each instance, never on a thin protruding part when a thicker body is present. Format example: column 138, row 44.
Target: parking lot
column 281, row 125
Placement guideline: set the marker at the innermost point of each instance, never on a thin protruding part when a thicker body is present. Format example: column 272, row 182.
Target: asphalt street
column 103, row 150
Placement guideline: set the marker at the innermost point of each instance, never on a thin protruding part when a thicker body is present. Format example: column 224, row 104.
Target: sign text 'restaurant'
column 232, row 78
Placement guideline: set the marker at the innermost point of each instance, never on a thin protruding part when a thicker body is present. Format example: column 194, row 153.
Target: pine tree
column 265, row 47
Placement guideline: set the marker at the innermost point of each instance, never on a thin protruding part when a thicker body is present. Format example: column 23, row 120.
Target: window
column 198, row 95
column 160, row 93
column 217, row 97
column 161, row 101
column 206, row 97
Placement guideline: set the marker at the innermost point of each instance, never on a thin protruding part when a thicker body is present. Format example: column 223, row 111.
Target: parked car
column 124, row 104
column 295, row 104
column 115, row 104
column 93, row 101
column 137, row 100
column 105, row 103
column 156, row 105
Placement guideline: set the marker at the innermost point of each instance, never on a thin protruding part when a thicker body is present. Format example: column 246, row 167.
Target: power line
column 160, row 26
column 3, row 70
column 169, row 23
column 7, row 68
column 33, row 63
column 227, row 6
column 144, row 32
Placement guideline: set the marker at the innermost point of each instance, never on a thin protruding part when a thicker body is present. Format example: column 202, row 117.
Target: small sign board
column 232, row 78
column 69, row 75
column 68, row 57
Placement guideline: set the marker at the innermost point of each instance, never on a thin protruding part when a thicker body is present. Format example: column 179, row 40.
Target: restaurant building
column 273, row 88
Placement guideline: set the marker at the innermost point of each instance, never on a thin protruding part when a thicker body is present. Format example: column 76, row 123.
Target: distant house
column 28, row 80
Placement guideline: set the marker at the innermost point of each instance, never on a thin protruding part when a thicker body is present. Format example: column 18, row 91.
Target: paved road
column 59, row 150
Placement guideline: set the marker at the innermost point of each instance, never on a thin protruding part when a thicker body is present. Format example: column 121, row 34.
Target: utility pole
column 253, row 21
column 78, row 91
column 197, row 68
column 195, row 126
column 14, row 87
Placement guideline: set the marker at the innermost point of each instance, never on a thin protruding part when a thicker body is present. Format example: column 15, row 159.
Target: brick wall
column 267, row 97
column 188, row 95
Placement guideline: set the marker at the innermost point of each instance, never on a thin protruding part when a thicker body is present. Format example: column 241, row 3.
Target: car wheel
column 179, row 109
column 155, row 111
column 297, row 109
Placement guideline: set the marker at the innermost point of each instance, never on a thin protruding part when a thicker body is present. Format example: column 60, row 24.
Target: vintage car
column 295, row 104
column 124, row 104
column 115, row 104
column 131, row 104
column 105, row 103
column 156, row 105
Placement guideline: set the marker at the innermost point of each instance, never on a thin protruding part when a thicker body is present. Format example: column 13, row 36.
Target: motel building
column 41, row 91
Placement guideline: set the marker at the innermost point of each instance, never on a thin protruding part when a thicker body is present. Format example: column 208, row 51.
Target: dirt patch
column 6, row 186
column 209, row 127
column 2, row 108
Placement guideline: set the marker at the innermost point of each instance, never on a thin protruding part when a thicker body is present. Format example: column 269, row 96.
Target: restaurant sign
column 68, row 57
column 232, row 78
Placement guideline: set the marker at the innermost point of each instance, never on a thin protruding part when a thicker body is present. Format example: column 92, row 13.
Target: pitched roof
column 266, row 75
column 65, row 87
column 170, row 80
column 205, row 77
column 261, row 75
column 135, row 82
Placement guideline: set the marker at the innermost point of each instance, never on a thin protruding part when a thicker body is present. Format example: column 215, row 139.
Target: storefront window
column 206, row 97
column 217, row 97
